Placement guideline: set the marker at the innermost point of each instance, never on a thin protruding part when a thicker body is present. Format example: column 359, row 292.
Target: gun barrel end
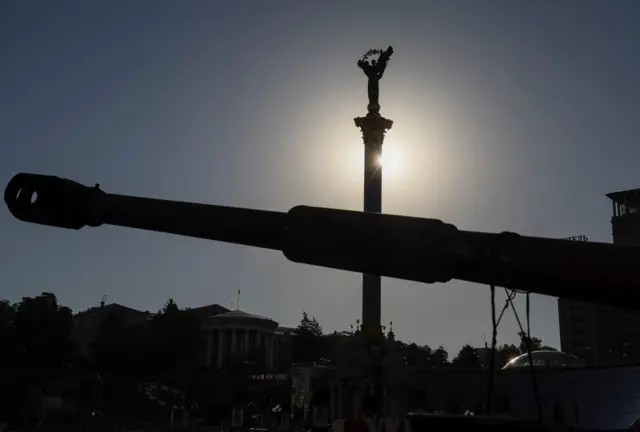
column 47, row 200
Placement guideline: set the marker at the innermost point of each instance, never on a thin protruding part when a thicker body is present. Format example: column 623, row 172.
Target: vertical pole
column 372, row 284
column 373, row 127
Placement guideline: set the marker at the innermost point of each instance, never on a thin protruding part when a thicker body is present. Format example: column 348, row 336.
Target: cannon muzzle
column 50, row 200
column 58, row 202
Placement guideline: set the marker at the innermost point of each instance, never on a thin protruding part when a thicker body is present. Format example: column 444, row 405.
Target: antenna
column 238, row 302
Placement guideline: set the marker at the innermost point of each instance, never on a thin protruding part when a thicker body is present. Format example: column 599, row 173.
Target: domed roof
column 239, row 318
column 546, row 359
column 241, row 314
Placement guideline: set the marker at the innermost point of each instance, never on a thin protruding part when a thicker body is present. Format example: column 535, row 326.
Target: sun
column 391, row 161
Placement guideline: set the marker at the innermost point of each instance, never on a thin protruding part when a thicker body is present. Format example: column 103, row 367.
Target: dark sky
column 509, row 115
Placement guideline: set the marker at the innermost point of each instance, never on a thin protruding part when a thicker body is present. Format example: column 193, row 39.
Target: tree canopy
column 467, row 359
column 308, row 343
column 36, row 333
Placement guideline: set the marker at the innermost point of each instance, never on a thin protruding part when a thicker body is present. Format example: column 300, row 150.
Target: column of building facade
column 209, row 348
column 221, row 347
column 241, row 343
column 247, row 340
column 273, row 351
column 234, row 341
column 332, row 402
column 268, row 339
column 340, row 390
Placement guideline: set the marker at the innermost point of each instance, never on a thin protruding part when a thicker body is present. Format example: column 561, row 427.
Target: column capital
column 373, row 127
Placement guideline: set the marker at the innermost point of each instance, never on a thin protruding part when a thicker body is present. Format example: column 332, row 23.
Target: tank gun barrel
column 416, row 249
column 62, row 203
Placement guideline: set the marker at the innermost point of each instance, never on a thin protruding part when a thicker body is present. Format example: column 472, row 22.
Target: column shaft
column 247, row 333
column 209, row 349
column 373, row 127
column 221, row 346
column 234, row 341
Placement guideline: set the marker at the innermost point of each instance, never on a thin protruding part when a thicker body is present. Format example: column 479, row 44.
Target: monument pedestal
column 374, row 381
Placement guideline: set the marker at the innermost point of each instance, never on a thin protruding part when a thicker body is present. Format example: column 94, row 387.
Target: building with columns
column 238, row 334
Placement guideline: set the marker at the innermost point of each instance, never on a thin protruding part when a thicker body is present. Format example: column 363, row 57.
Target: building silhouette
column 600, row 334
column 240, row 334
column 87, row 323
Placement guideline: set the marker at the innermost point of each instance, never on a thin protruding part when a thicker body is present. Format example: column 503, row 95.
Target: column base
column 371, row 332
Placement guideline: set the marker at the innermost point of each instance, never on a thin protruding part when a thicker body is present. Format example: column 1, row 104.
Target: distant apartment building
column 599, row 334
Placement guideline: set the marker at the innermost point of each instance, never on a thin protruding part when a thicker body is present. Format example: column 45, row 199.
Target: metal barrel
column 53, row 201
column 416, row 249
column 429, row 250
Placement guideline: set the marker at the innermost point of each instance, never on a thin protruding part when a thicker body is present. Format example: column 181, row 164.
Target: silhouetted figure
column 374, row 72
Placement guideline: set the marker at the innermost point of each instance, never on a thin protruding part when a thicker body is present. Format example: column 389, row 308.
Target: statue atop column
column 374, row 69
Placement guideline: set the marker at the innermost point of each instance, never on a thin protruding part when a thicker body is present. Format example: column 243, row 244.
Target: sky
column 507, row 115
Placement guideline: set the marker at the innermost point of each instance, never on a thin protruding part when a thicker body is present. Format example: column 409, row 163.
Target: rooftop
column 622, row 194
column 241, row 314
column 112, row 307
column 203, row 312
column 546, row 359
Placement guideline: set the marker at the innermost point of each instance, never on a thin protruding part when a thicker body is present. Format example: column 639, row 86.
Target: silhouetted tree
column 176, row 337
column 7, row 316
column 35, row 343
column 309, row 327
column 467, row 359
column 39, row 334
column 536, row 343
column 122, row 348
column 416, row 356
column 439, row 358
column 423, row 358
column 169, row 343
column 505, row 353
column 308, row 342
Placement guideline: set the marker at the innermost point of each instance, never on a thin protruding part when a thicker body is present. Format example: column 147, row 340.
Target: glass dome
column 546, row 359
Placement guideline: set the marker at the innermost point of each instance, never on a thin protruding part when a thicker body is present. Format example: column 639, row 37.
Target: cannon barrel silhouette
column 410, row 248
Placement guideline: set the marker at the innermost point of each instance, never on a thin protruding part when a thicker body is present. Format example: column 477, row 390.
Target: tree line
column 310, row 346
column 37, row 333
column 40, row 338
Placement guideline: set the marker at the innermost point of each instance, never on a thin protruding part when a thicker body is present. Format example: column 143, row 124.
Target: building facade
column 87, row 323
column 238, row 335
column 590, row 398
column 600, row 334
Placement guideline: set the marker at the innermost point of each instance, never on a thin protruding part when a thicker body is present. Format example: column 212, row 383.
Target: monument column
column 373, row 127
